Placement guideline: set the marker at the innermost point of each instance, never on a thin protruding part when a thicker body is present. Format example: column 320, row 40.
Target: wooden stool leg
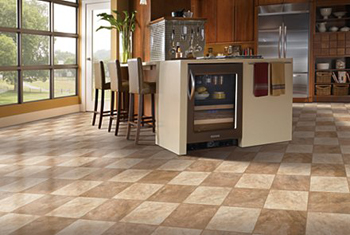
column 102, row 107
column 153, row 113
column 143, row 109
column 95, row 108
column 112, row 112
column 131, row 115
column 119, row 110
column 139, row 118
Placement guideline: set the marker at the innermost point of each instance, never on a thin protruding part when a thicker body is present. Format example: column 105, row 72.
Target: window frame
column 19, row 68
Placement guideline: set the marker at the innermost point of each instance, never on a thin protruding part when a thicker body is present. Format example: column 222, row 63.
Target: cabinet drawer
column 325, row 51
column 324, row 45
column 333, row 51
column 348, row 51
column 333, row 44
column 333, row 37
column 341, row 36
column 325, row 38
column 341, row 51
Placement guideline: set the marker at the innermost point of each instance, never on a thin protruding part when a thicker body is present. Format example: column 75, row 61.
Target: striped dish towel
column 278, row 84
column 261, row 79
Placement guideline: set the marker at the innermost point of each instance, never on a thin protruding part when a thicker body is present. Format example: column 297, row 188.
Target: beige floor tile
column 76, row 173
column 208, row 195
column 327, row 223
column 77, row 207
column 294, row 169
column 232, row 167
column 268, row 157
column 326, row 141
column 106, row 190
column 190, row 178
column 120, row 153
column 287, row 200
column 139, row 191
column 234, row 219
column 176, row 231
column 112, row 210
column 279, row 222
column 159, row 211
column 191, row 216
column 327, row 158
column 22, row 184
column 130, row 176
column 261, row 181
column 79, row 161
column 130, row 229
column 27, row 171
column 48, row 186
column 251, row 198
column 172, row 193
column 262, row 168
column 102, row 174
column 11, row 222
column 125, row 163
column 86, row 227
column 44, row 225
column 18, row 200
column 176, row 165
column 76, row 188
column 299, row 148
column 329, row 184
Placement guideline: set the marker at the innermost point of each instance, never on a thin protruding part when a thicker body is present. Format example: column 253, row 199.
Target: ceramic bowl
column 345, row 29
column 322, row 66
column 333, row 29
column 198, row 96
column 339, row 14
column 325, row 12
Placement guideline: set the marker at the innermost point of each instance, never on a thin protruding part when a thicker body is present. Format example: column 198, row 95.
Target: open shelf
column 331, row 70
column 333, row 19
column 333, row 83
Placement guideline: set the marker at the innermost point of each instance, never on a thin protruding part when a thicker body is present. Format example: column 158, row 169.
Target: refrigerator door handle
column 236, row 100
column 285, row 42
column 279, row 41
column 193, row 87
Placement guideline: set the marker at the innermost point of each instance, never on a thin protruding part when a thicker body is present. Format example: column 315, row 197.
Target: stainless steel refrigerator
column 284, row 33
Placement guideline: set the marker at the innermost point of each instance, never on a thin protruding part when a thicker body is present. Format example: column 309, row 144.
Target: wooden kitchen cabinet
column 228, row 21
column 244, row 21
column 225, row 21
column 269, row 2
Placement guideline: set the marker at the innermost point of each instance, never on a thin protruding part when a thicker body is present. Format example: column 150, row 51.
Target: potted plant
column 125, row 26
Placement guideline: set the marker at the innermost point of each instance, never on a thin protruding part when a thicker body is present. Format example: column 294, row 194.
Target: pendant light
column 143, row 2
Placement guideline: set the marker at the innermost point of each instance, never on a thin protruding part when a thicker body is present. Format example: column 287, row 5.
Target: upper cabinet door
column 207, row 8
column 225, row 20
column 270, row 2
column 244, row 20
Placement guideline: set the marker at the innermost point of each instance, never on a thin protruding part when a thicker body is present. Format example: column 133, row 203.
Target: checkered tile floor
column 64, row 176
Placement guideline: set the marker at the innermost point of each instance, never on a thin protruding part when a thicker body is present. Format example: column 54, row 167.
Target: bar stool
column 122, row 89
column 100, row 84
column 141, row 88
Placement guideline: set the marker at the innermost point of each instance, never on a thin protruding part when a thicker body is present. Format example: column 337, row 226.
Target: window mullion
column 52, row 88
column 19, row 52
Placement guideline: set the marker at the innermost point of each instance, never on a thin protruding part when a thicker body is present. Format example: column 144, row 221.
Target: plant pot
column 125, row 46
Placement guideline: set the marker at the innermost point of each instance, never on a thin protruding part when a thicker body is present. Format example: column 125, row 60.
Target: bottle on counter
column 178, row 53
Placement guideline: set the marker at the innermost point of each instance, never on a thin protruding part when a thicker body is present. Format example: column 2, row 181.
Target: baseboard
column 35, row 116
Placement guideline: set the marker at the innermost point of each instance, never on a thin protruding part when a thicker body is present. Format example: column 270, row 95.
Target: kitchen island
column 184, row 114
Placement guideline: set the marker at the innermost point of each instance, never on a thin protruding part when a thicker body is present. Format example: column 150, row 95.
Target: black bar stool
column 100, row 84
column 121, row 88
column 141, row 88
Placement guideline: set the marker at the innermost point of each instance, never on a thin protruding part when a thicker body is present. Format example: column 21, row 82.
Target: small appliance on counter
column 177, row 38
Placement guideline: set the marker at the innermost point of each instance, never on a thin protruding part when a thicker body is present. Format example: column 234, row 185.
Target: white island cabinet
column 262, row 120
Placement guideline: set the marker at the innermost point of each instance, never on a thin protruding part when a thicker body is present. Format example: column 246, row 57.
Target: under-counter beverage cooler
column 214, row 102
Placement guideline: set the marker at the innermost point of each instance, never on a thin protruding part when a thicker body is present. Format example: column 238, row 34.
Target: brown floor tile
column 253, row 198
column 279, row 222
column 48, row 186
column 139, row 191
column 205, row 166
column 298, row 140
column 326, row 134
column 43, row 205
column 191, row 216
column 112, row 210
column 130, row 229
column 175, row 231
column 241, row 156
column 297, row 158
column 86, row 227
column 327, row 149
column 327, row 223
column 262, row 168
column 291, row 182
column 102, row 174
column 221, row 179
column 159, row 177
column 346, row 158
column 172, row 193
column 329, row 202
column 336, row 170
column 106, row 190
column 44, row 226
column 150, row 164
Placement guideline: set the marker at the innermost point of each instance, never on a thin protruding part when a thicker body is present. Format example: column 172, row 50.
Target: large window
column 38, row 50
